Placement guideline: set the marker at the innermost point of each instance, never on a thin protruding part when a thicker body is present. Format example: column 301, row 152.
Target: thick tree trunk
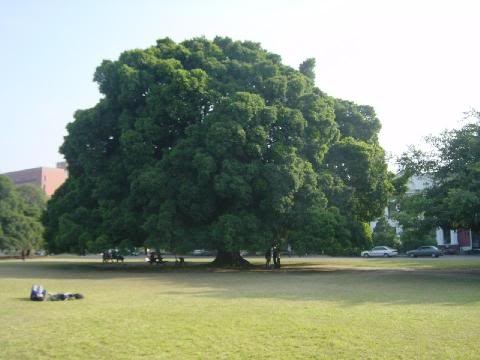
column 229, row 258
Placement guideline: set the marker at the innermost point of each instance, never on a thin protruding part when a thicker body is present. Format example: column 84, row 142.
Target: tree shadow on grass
column 345, row 286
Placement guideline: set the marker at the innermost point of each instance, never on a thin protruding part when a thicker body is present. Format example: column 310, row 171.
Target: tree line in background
column 217, row 144
column 21, row 209
column 451, row 166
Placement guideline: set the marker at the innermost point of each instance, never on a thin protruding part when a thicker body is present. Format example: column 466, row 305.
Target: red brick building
column 49, row 179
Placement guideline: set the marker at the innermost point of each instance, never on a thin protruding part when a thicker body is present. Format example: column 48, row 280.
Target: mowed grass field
column 313, row 308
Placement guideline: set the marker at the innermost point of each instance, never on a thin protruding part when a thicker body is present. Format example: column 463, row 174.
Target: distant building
column 62, row 165
column 48, row 179
column 418, row 183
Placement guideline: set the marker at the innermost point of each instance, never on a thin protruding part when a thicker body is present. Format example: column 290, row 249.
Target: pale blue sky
column 416, row 62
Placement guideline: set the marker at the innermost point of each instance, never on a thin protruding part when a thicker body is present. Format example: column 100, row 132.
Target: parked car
column 432, row 251
column 384, row 251
column 199, row 252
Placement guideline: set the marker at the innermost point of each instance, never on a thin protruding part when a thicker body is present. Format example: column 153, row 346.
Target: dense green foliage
column 453, row 166
column 217, row 144
column 20, row 212
column 409, row 214
column 384, row 234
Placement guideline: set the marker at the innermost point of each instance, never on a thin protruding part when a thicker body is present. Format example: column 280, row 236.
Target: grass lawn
column 313, row 308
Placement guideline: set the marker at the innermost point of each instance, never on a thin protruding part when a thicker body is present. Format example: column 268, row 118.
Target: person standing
column 275, row 257
column 268, row 258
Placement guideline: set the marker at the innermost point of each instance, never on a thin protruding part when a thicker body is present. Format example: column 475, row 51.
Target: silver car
column 380, row 251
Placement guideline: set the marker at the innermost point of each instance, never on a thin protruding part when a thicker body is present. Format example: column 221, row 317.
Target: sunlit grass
column 312, row 308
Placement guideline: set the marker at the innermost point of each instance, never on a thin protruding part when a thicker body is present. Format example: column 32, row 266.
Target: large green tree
column 217, row 144
column 20, row 212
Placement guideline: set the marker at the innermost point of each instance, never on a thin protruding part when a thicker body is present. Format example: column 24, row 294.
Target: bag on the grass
column 64, row 296
column 38, row 293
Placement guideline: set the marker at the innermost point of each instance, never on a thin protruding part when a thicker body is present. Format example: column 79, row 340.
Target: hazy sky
column 416, row 62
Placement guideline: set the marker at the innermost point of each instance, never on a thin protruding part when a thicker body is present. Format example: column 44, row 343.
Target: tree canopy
column 217, row 144
column 20, row 212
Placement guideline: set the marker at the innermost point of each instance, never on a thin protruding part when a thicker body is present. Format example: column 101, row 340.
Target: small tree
column 20, row 212
column 410, row 216
column 385, row 234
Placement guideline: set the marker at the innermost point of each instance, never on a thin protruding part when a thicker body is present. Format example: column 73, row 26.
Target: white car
column 199, row 252
column 384, row 251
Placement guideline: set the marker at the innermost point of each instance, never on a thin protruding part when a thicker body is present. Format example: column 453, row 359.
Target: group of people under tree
column 112, row 255
column 155, row 258
column 272, row 252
